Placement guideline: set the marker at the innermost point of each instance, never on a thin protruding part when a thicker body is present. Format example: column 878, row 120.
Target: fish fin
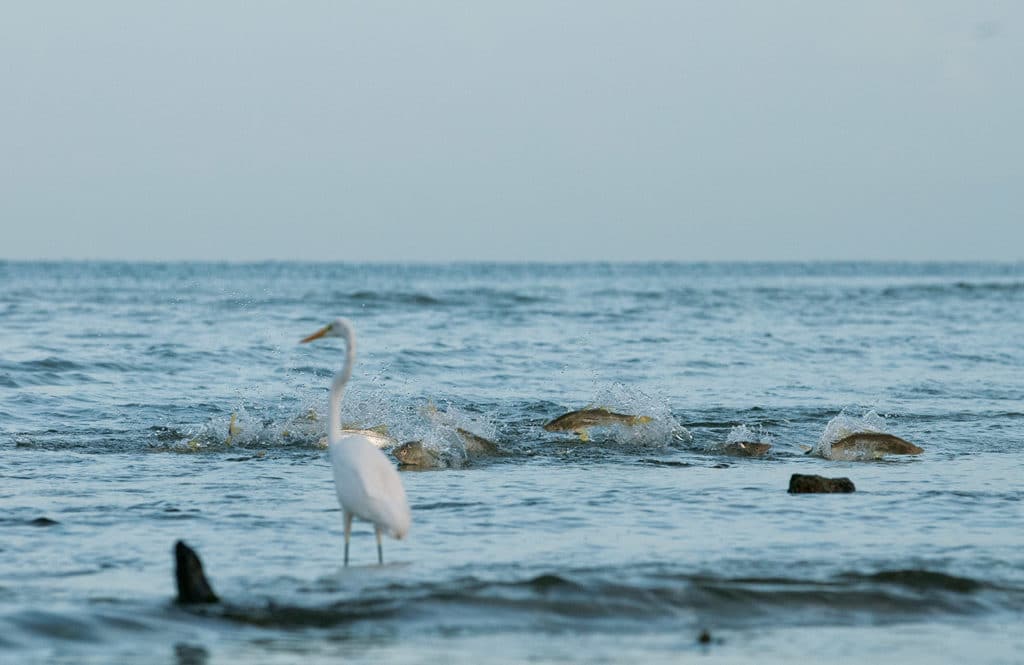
column 379, row 429
column 584, row 435
column 233, row 429
column 641, row 420
column 806, row 449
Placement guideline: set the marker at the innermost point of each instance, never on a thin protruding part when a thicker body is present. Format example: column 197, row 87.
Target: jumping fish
column 415, row 455
column 580, row 421
column 870, row 445
column 477, row 445
column 746, row 449
column 378, row 436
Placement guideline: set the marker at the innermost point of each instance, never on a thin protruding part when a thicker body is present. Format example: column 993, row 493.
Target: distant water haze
column 525, row 131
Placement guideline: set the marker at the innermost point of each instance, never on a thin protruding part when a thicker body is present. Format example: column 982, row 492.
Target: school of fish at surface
column 845, row 438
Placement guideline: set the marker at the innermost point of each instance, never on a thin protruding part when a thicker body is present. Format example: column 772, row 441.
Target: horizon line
column 510, row 262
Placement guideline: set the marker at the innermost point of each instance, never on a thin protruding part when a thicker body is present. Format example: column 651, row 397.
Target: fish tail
column 233, row 429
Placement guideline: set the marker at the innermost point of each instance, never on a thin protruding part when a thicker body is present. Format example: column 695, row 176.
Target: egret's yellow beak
column 317, row 335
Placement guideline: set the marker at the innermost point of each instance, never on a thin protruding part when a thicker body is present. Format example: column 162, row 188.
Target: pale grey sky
column 526, row 130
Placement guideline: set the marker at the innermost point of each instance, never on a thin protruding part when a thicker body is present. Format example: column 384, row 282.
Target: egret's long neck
column 338, row 388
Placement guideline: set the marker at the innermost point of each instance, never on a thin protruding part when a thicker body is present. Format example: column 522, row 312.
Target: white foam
column 743, row 434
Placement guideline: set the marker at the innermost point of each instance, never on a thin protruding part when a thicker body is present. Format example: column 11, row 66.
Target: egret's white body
column 366, row 481
column 368, row 485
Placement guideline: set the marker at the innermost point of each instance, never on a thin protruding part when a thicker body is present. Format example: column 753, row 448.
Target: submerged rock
column 188, row 572
column 809, row 484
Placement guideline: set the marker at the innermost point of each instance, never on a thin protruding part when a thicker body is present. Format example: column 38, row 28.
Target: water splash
column 743, row 434
column 439, row 431
column 663, row 427
column 843, row 425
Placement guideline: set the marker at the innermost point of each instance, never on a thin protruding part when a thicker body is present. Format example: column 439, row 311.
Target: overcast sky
column 531, row 130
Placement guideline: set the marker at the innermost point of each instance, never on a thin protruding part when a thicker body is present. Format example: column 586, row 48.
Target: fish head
column 756, row 448
column 412, row 453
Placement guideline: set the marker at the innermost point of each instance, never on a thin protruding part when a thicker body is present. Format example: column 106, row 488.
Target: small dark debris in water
column 548, row 581
column 706, row 638
column 188, row 571
column 190, row 654
column 720, row 466
column 43, row 521
column 259, row 455
column 810, row 484
column 664, row 462
column 927, row 580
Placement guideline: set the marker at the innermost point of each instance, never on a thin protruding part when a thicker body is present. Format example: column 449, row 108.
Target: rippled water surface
column 118, row 383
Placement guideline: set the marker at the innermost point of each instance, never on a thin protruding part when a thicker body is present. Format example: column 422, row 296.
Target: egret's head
column 337, row 328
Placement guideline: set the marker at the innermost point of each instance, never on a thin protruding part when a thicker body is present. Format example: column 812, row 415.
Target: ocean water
column 118, row 382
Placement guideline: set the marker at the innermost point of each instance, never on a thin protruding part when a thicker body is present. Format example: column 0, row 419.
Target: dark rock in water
column 188, row 570
column 43, row 521
column 806, row 484
column 704, row 637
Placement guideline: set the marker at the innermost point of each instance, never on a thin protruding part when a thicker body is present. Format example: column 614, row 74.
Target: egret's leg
column 380, row 549
column 348, row 533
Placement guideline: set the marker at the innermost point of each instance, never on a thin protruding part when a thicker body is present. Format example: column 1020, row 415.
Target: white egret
column 367, row 484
